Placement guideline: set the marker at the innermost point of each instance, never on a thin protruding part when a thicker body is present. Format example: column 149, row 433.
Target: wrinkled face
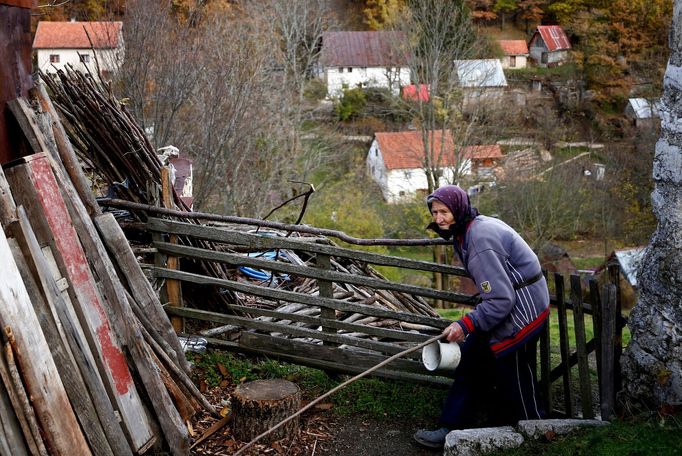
column 442, row 215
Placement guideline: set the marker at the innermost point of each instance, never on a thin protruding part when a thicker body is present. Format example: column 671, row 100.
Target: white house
column 395, row 161
column 480, row 80
column 83, row 45
column 549, row 46
column 515, row 54
column 363, row 59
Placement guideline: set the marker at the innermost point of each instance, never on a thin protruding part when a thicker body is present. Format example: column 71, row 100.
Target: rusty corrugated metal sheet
column 554, row 37
column 363, row 49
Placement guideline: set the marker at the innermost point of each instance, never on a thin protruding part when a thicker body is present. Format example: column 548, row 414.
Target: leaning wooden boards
column 34, row 186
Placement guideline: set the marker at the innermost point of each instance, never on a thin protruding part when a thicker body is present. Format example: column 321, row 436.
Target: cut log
column 261, row 404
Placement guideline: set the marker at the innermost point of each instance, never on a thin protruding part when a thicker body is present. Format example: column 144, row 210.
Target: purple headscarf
column 457, row 200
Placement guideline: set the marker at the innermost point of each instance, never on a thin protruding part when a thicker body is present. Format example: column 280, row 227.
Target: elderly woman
column 498, row 337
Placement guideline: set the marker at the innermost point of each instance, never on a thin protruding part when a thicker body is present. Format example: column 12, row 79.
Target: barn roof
column 554, row 37
column 363, row 49
column 72, row 35
column 514, row 47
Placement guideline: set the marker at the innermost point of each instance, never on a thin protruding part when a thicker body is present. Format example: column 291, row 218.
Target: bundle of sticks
column 91, row 363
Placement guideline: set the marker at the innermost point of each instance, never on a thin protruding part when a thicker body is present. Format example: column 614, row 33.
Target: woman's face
column 441, row 215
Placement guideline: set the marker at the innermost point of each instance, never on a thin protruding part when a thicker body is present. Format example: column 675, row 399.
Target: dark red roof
column 554, row 37
column 514, row 47
column 363, row 49
column 72, row 35
column 405, row 149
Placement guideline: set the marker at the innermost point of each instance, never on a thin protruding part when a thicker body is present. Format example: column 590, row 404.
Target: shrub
column 351, row 103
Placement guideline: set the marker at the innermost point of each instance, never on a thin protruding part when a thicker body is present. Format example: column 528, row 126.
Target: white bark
column 652, row 363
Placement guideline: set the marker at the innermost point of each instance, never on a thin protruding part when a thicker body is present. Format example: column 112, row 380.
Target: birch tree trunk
column 652, row 363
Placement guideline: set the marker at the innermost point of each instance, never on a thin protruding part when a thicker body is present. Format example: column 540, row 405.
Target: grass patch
column 622, row 437
column 591, row 263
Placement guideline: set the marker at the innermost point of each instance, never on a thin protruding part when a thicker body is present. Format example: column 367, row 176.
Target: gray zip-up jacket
column 514, row 295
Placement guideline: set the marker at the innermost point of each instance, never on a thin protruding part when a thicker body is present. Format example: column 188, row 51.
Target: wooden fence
column 353, row 348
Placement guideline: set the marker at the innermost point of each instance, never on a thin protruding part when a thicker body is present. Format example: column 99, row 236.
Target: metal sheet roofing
column 643, row 108
column 363, row 49
column 514, row 47
column 480, row 73
column 72, row 35
column 554, row 37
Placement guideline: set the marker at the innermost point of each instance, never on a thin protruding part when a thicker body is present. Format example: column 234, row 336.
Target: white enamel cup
column 441, row 356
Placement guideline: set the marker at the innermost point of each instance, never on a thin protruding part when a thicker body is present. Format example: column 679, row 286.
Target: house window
column 85, row 58
column 54, row 58
column 350, row 69
column 512, row 61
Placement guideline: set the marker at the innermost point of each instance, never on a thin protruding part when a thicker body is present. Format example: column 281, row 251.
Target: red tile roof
column 363, row 49
column 72, row 35
column 554, row 37
column 405, row 149
column 514, row 47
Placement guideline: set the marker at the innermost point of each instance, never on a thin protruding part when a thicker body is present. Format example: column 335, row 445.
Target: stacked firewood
column 91, row 364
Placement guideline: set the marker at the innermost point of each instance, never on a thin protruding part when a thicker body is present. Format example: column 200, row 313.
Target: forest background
column 230, row 83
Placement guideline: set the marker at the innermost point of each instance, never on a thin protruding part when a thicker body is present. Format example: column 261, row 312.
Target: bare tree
column 439, row 33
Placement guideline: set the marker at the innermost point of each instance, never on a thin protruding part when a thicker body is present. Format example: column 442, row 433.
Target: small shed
column 643, row 113
column 549, row 46
column 515, row 54
column 482, row 81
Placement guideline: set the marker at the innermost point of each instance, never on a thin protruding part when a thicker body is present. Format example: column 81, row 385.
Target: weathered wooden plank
column 11, row 435
column 59, row 302
column 7, row 207
column 32, row 427
column 34, row 185
column 139, row 286
column 325, row 290
column 564, row 345
column 14, row 421
column 581, row 350
column 318, row 321
column 43, row 382
column 608, row 362
column 302, row 298
column 266, row 243
column 66, row 365
column 173, row 289
column 249, row 323
column 546, row 367
column 252, row 344
column 315, row 273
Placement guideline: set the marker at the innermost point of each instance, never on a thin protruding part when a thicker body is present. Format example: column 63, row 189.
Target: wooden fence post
column 564, row 345
column 614, row 276
column 580, row 347
column 607, row 348
column 173, row 290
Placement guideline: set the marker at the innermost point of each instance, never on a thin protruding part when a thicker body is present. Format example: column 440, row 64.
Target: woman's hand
column 454, row 333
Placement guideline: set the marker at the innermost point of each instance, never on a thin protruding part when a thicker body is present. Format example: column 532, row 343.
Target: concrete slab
column 473, row 442
column 534, row 429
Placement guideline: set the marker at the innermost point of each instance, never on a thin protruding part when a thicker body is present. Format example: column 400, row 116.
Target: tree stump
column 261, row 404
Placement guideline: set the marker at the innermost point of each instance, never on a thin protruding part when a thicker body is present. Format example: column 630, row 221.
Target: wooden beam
column 264, row 242
column 59, row 302
column 581, row 350
column 564, row 345
column 324, row 275
column 173, row 288
column 43, row 382
column 291, row 296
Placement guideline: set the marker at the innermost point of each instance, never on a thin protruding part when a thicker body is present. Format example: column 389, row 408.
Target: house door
column 544, row 57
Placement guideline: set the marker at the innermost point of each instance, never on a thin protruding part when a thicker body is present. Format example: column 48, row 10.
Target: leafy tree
column 382, row 13
column 531, row 11
column 504, row 7
column 482, row 10
column 351, row 103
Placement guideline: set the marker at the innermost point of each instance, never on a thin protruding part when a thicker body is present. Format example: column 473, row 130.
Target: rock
column 471, row 442
column 534, row 429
